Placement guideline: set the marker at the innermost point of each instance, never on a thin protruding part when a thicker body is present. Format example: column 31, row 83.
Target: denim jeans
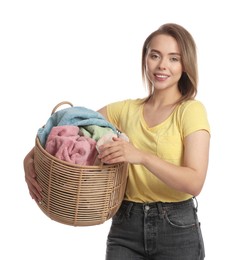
column 155, row 231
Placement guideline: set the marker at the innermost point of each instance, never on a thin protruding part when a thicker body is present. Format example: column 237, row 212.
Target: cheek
column 149, row 67
column 148, row 73
column 177, row 70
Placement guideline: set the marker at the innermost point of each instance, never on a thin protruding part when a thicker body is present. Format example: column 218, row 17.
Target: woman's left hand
column 119, row 150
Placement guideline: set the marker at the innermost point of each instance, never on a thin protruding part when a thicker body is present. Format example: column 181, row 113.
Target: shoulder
column 192, row 116
column 127, row 103
column 191, row 104
column 124, row 107
column 120, row 111
column 194, row 107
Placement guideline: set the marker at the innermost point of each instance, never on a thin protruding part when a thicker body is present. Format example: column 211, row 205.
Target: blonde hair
column 188, row 82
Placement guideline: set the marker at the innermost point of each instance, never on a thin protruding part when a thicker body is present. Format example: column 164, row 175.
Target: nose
column 162, row 64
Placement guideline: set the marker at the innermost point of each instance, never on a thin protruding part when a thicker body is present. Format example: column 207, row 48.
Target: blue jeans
column 155, row 231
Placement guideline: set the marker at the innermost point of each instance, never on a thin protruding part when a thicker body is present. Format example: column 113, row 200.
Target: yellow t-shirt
column 164, row 140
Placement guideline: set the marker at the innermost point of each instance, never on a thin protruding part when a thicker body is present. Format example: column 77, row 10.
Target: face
column 163, row 62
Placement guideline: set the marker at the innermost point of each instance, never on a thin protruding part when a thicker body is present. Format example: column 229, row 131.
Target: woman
column 168, row 155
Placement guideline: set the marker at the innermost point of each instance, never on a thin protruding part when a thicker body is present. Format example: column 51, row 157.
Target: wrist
column 144, row 158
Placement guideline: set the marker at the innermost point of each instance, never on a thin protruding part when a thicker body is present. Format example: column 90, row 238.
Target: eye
column 154, row 56
column 175, row 59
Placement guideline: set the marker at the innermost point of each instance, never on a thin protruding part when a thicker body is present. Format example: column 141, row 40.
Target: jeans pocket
column 183, row 217
column 186, row 219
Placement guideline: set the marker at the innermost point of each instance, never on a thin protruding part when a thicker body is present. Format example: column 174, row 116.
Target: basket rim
column 50, row 156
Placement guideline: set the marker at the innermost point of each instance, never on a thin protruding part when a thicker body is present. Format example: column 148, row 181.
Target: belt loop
column 127, row 213
column 160, row 210
column 195, row 203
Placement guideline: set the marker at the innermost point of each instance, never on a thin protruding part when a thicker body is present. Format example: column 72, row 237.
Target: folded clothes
column 76, row 116
column 65, row 143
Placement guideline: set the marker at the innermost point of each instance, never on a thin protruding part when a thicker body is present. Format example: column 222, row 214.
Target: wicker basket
column 78, row 195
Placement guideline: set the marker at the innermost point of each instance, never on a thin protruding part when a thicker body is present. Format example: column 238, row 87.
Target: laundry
column 65, row 143
column 76, row 116
column 109, row 138
column 105, row 139
column 96, row 132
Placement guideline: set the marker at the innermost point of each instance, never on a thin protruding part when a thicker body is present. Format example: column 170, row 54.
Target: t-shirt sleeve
column 194, row 117
column 114, row 111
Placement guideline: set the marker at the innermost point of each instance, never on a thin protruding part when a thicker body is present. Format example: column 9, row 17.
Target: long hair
column 189, row 79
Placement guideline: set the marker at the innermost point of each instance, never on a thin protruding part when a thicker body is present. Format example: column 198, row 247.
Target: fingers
column 30, row 178
column 32, row 169
column 114, row 157
column 34, row 188
column 35, row 194
column 112, row 152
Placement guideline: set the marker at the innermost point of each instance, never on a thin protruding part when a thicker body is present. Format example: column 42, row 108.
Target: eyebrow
column 171, row 53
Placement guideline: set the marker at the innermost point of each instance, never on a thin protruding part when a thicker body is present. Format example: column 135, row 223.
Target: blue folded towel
column 78, row 116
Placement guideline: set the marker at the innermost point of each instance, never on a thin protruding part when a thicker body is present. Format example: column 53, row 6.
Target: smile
column 161, row 76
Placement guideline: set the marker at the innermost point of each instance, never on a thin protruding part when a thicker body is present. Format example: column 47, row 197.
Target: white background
column 89, row 53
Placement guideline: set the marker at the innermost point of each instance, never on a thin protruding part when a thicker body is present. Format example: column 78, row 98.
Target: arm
column 190, row 177
column 187, row 178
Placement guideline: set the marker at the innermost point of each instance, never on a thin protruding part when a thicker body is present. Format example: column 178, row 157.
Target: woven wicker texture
column 78, row 195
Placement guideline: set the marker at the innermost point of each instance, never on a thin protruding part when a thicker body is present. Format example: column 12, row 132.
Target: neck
column 159, row 99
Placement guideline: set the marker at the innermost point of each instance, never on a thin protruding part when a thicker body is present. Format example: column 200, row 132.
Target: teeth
column 161, row 76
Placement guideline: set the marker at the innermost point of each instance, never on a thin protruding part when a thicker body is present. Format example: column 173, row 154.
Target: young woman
column 167, row 153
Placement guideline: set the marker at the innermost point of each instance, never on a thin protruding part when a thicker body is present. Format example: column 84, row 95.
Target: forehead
column 164, row 44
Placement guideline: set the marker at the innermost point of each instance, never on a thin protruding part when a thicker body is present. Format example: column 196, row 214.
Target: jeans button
column 147, row 208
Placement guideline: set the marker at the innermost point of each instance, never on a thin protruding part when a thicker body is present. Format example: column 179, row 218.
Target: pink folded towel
column 65, row 143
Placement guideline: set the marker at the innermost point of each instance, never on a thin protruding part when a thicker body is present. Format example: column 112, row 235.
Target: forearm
column 181, row 178
column 28, row 158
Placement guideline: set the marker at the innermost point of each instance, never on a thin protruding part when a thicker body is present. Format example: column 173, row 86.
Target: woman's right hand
column 30, row 177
